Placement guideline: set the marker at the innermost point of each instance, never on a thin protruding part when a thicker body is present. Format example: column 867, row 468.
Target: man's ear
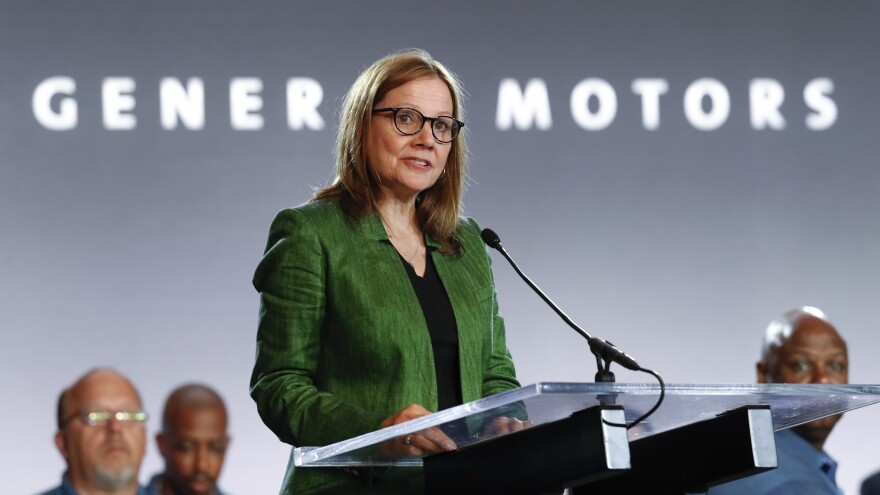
column 761, row 369
column 60, row 443
column 160, row 442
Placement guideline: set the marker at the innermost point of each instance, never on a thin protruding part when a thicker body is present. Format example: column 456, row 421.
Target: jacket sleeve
column 291, row 280
column 499, row 374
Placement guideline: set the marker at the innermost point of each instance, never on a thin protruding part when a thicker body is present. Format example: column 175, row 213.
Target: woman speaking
column 377, row 298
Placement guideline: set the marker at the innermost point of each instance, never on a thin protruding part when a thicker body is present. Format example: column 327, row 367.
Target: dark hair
column 62, row 402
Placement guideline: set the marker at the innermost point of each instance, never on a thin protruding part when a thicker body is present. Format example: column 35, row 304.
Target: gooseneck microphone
column 603, row 349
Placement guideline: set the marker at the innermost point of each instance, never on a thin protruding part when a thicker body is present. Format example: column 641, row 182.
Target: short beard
column 110, row 481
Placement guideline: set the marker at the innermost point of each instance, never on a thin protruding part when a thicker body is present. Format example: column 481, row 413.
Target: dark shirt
column 155, row 486
column 871, row 486
column 444, row 333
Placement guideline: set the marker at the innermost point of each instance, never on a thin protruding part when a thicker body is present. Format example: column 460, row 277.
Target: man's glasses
column 101, row 418
column 410, row 121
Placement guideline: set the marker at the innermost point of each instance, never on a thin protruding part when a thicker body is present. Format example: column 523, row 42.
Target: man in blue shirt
column 101, row 436
column 193, row 442
column 800, row 347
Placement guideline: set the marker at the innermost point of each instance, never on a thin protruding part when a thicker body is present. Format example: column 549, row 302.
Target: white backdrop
column 676, row 225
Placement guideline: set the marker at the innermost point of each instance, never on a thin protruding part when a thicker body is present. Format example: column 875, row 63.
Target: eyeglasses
column 100, row 418
column 410, row 121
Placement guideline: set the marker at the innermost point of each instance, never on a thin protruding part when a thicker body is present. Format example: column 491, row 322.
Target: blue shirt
column 66, row 488
column 802, row 470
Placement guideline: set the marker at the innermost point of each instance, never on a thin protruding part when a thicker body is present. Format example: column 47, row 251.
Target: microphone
column 602, row 349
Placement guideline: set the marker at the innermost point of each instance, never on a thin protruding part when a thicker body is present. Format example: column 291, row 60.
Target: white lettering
column 66, row 117
column 765, row 98
column 184, row 104
column 593, row 103
column 816, row 95
column 117, row 98
column 304, row 94
column 719, row 99
column 523, row 108
column 606, row 108
column 650, row 91
column 244, row 103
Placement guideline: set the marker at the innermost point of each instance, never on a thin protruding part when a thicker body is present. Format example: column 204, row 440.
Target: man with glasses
column 193, row 442
column 101, row 436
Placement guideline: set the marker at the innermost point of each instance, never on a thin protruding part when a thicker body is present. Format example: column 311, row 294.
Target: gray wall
column 134, row 248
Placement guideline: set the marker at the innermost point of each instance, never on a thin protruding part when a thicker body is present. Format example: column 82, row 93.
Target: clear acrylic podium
column 701, row 435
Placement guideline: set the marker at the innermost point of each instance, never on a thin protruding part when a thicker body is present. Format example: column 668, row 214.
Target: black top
column 443, row 329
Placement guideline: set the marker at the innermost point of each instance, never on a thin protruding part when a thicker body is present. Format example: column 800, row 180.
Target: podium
column 576, row 437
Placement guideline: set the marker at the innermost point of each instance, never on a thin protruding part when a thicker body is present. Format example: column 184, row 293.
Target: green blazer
column 342, row 341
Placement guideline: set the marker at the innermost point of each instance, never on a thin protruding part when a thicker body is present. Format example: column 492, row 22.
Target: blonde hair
column 437, row 208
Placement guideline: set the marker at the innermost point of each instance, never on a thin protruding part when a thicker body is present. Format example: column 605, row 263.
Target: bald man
column 101, row 436
column 800, row 347
column 193, row 442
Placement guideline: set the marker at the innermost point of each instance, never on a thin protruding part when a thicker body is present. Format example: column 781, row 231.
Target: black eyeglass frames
column 410, row 121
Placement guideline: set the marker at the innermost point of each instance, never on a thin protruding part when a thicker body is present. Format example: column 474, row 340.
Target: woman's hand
column 416, row 444
column 504, row 425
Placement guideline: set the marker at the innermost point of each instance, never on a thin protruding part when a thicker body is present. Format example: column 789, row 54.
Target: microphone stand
column 605, row 352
